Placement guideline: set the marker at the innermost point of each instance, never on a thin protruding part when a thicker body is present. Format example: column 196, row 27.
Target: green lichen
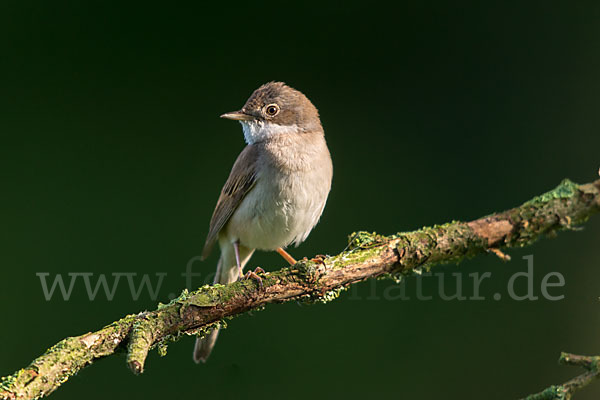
column 566, row 189
column 206, row 299
column 354, row 256
column 365, row 240
column 8, row 382
column 184, row 295
column 540, row 215
column 162, row 348
column 324, row 297
column 206, row 329
column 420, row 250
column 213, row 295
column 307, row 271
column 553, row 392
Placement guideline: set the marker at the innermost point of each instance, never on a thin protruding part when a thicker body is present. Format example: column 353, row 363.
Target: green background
column 112, row 156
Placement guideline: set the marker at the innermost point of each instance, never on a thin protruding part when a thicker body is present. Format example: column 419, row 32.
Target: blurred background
column 112, row 157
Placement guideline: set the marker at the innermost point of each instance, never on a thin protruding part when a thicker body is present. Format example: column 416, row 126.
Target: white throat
column 256, row 131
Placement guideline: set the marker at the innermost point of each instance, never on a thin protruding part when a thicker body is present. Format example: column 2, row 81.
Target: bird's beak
column 237, row 116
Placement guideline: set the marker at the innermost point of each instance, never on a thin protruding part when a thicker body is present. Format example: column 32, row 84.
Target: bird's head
column 273, row 109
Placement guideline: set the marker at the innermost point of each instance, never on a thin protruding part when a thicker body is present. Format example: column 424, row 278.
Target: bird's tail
column 227, row 272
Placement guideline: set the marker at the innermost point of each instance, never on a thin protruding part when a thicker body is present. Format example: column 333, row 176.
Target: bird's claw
column 319, row 259
column 254, row 275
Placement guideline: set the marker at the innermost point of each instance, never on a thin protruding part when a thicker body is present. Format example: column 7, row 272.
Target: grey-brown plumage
column 241, row 180
column 277, row 188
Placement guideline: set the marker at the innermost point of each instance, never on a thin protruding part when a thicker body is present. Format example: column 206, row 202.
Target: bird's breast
column 286, row 201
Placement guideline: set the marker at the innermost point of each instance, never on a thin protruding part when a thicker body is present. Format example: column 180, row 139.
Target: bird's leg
column 236, row 250
column 286, row 256
column 249, row 274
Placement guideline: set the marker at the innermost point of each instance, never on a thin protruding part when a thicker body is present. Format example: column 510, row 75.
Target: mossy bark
column 566, row 390
column 368, row 255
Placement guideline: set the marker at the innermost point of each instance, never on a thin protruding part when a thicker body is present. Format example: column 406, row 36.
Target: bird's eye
column 271, row 110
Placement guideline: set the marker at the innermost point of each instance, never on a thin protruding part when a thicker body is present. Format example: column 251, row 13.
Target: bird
column 276, row 190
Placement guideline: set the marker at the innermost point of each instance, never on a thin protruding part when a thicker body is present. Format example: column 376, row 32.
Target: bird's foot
column 319, row 259
column 254, row 275
column 259, row 270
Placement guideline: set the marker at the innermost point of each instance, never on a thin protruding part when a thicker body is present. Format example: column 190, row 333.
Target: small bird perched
column 277, row 188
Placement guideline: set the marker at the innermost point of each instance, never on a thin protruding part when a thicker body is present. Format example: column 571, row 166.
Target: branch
column 566, row 390
column 367, row 256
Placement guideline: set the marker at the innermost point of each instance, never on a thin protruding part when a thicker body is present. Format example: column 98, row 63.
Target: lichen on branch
column 368, row 255
column 590, row 364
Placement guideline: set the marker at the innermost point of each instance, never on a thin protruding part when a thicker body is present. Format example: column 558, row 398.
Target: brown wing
column 240, row 182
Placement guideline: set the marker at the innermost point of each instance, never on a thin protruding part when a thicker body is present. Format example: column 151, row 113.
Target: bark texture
column 567, row 389
column 368, row 255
